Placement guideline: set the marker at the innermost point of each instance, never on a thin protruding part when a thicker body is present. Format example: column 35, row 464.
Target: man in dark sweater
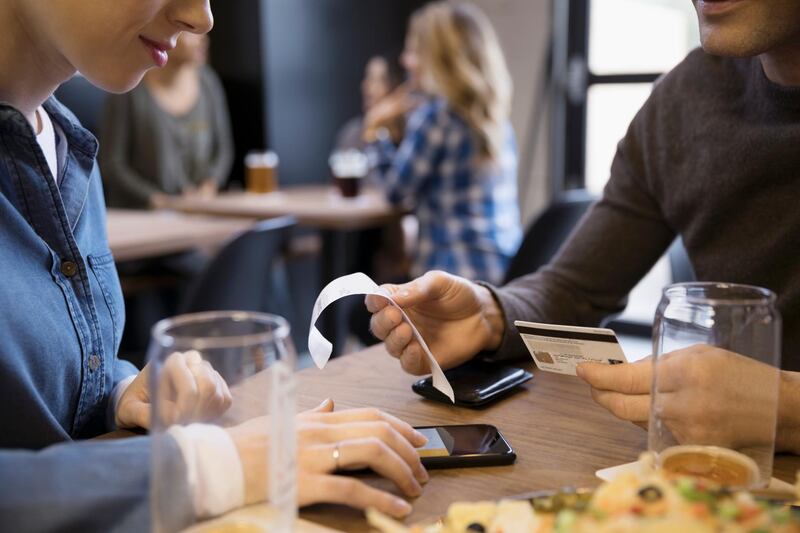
column 712, row 156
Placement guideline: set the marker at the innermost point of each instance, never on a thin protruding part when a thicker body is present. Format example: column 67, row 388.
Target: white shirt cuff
column 116, row 394
column 213, row 467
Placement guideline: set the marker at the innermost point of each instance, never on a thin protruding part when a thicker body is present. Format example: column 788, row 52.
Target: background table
column 316, row 206
column 134, row 234
column 560, row 435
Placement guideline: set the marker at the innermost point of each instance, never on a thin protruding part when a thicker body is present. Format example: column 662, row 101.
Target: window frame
column 573, row 78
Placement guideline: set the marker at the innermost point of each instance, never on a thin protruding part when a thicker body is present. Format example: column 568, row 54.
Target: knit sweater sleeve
column 614, row 246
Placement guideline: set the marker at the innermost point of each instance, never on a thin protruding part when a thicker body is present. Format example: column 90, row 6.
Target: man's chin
column 725, row 44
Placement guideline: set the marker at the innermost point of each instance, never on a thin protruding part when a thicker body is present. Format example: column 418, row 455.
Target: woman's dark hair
column 396, row 74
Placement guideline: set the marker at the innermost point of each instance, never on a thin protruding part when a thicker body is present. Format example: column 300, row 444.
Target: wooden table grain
column 318, row 206
column 560, row 435
column 140, row 234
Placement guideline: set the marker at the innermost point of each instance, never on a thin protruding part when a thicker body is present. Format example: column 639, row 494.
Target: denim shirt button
column 69, row 268
column 94, row 362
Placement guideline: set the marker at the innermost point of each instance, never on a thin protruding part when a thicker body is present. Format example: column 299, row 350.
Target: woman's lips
column 716, row 7
column 158, row 51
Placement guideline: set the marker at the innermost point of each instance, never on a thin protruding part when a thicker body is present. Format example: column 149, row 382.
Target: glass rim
column 160, row 331
column 749, row 295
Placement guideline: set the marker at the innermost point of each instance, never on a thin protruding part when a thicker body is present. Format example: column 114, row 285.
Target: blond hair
column 461, row 60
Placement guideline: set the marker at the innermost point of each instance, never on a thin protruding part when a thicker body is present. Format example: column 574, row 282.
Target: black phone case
column 466, row 461
column 475, row 383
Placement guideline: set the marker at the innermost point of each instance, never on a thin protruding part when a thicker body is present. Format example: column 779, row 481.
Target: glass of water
column 254, row 356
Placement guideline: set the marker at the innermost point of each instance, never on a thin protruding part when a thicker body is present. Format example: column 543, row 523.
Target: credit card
column 560, row 349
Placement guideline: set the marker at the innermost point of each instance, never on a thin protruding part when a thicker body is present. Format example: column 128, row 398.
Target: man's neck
column 32, row 69
column 782, row 64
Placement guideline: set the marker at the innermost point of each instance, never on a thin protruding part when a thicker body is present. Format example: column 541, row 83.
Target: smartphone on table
column 476, row 383
column 464, row 446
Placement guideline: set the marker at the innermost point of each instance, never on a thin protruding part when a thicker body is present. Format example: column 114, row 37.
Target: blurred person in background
column 169, row 136
column 456, row 165
column 392, row 111
column 382, row 75
column 61, row 381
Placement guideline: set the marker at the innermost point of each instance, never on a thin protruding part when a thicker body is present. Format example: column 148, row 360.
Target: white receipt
column 359, row 283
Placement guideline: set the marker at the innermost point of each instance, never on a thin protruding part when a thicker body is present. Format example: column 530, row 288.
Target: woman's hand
column 192, row 391
column 456, row 317
column 331, row 442
column 159, row 201
column 362, row 438
column 208, row 189
column 389, row 113
column 706, row 395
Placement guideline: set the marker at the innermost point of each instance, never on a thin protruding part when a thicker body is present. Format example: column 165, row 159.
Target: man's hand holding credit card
column 561, row 349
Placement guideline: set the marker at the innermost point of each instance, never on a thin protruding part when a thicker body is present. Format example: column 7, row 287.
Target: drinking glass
column 736, row 445
column 254, row 355
column 349, row 168
column 261, row 172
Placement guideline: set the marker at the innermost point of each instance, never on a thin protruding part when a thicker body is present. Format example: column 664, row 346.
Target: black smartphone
column 475, row 383
column 463, row 446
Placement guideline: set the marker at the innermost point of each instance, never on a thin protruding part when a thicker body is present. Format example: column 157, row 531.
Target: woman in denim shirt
column 62, row 312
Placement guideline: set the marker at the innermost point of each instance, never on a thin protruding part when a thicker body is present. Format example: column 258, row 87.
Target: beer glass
column 261, row 174
column 349, row 169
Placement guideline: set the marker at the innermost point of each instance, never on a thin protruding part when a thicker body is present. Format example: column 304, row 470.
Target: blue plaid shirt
column 469, row 221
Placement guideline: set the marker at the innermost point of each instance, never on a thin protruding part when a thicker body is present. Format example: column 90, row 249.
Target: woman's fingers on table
column 213, row 396
column 181, row 382
column 315, row 488
column 326, row 406
column 368, row 414
column 196, row 389
column 631, row 407
column 357, row 454
column 380, row 431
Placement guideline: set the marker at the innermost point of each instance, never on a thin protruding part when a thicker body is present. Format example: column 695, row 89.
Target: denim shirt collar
column 34, row 180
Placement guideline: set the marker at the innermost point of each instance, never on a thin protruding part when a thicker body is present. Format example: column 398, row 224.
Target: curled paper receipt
column 359, row 283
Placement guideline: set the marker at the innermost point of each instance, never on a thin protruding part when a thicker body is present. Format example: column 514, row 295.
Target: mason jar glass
column 716, row 369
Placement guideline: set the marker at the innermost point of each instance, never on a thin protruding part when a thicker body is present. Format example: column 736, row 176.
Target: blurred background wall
column 524, row 28
column 315, row 52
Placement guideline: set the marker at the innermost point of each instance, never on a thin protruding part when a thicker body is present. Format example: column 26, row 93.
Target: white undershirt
column 46, row 137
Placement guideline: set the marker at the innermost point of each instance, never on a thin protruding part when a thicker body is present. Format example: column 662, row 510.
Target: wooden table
column 134, row 234
column 560, row 435
column 316, row 206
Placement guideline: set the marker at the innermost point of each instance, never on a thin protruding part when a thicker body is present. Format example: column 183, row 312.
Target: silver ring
column 336, row 456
